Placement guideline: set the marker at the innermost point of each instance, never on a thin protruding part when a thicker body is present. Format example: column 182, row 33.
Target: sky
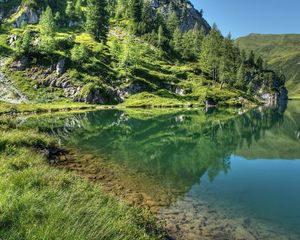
column 242, row 17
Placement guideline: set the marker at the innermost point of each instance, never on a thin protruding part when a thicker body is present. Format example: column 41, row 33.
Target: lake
column 213, row 174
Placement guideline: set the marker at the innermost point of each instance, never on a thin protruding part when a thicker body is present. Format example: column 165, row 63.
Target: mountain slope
column 143, row 53
column 282, row 52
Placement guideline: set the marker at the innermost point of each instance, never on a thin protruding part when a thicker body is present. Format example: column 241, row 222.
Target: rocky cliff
column 189, row 16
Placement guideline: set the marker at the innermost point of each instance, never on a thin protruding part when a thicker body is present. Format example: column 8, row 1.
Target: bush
column 79, row 53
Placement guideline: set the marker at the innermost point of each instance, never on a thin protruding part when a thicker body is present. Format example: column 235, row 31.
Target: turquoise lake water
column 222, row 176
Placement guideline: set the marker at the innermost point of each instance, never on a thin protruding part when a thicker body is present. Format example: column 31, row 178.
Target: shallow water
column 218, row 176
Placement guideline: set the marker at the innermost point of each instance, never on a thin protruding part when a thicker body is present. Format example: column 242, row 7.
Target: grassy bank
column 7, row 108
column 38, row 201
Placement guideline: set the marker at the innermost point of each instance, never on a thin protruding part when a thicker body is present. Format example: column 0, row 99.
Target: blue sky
column 242, row 17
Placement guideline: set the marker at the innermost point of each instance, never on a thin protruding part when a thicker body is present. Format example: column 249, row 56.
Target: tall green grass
column 38, row 201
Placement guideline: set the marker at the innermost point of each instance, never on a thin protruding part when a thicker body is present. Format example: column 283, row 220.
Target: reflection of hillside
column 282, row 141
column 174, row 149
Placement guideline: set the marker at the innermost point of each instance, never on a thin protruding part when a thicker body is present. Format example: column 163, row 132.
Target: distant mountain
column 281, row 52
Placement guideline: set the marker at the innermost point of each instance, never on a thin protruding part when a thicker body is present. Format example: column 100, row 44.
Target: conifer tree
column 161, row 37
column 251, row 59
column 188, row 45
column 197, row 38
column 135, row 14
column 260, row 63
column 211, row 53
column 227, row 64
column 177, row 40
column 147, row 20
column 47, row 28
column 240, row 76
column 172, row 21
column 97, row 19
column 70, row 10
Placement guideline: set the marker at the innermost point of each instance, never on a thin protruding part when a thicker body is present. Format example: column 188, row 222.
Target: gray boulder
column 60, row 67
column 20, row 64
column 28, row 16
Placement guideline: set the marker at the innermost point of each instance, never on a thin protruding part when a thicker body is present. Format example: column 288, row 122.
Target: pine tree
column 147, row 20
column 26, row 41
column 161, row 38
column 23, row 43
column 240, row 76
column 97, row 19
column 243, row 56
column 197, row 38
column 260, row 63
column 78, row 10
column 251, row 59
column 79, row 53
column 228, row 61
column 177, row 41
column 160, row 20
column 47, row 28
column 172, row 21
column 70, row 10
column 188, row 46
column 211, row 53
column 135, row 14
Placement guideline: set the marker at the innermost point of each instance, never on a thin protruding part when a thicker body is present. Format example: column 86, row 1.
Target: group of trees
column 218, row 57
column 222, row 61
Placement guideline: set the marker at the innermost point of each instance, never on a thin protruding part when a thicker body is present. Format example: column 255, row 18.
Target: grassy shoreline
column 42, row 202
column 10, row 108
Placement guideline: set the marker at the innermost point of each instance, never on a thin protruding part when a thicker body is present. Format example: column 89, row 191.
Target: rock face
column 184, row 10
column 20, row 64
column 28, row 16
column 192, row 17
column 279, row 96
column 60, row 67
column 8, row 93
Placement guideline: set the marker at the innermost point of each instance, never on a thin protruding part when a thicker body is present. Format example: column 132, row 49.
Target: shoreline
column 28, row 109
column 29, row 158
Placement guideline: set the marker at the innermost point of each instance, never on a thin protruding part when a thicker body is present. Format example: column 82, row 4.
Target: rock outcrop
column 8, row 93
column 28, row 16
column 185, row 11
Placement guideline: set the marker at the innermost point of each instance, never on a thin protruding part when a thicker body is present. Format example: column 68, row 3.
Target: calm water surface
column 222, row 177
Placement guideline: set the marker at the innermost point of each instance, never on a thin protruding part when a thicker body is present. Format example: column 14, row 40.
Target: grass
column 6, row 108
column 145, row 99
column 38, row 201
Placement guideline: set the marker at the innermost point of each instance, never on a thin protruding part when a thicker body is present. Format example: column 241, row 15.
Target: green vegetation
column 282, row 53
column 126, row 47
column 7, row 108
column 41, row 202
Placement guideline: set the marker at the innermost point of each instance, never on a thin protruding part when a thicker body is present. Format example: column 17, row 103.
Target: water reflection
column 199, row 159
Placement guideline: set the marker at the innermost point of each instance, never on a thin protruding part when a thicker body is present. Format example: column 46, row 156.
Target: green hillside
column 282, row 52
column 139, row 53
